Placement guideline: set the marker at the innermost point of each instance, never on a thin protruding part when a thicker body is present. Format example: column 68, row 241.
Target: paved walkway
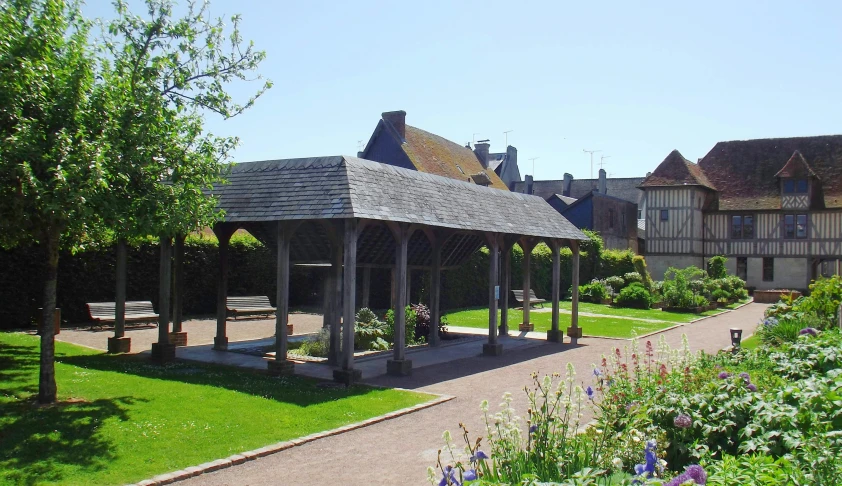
column 398, row 451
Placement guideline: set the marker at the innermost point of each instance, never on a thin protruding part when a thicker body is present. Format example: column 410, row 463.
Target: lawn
column 608, row 326
column 658, row 314
column 122, row 419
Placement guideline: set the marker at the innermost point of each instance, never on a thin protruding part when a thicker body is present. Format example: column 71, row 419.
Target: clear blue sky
column 633, row 79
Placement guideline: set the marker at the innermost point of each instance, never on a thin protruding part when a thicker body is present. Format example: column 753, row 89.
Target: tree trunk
column 47, row 376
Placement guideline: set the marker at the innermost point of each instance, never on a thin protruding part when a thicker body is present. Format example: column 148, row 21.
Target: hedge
column 89, row 276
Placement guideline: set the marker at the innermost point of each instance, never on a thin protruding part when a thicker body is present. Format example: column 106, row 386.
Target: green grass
column 592, row 326
column 637, row 313
column 751, row 343
column 121, row 419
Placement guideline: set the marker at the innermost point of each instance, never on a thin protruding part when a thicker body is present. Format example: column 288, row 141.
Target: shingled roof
column 437, row 155
column 348, row 187
column 746, row 171
column 675, row 170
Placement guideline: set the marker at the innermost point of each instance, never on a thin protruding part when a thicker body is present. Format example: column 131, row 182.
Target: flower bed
column 669, row 417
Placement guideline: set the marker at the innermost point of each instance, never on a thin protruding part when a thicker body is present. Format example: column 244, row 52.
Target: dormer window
column 795, row 186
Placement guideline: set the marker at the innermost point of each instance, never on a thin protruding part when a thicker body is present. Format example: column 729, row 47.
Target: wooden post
column 527, row 271
column 220, row 342
column 399, row 365
column 120, row 343
column 505, row 283
column 334, row 352
column 163, row 351
column 554, row 334
column 574, row 331
column 393, row 298
column 327, row 298
column 492, row 347
column 366, row 286
column 348, row 374
column 435, row 292
column 178, row 337
column 280, row 365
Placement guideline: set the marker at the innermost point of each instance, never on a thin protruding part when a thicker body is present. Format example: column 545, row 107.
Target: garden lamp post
column 736, row 337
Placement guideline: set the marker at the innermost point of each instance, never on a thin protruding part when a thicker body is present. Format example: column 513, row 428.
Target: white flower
column 483, row 405
column 616, row 462
column 446, row 436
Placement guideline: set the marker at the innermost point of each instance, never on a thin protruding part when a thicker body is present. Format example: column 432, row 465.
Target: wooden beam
column 526, row 325
column 505, row 288
column 554, row 334
column 401, row 278
column 223, row 235
column 284, row 236
column 164, row 288
column 574, row 331
column 334, row 351
column 120, row 304
column 349, row 290
column 492, row 347
column 435, row 291
column 178, row 284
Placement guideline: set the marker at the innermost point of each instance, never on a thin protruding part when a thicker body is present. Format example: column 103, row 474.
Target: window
column 795, row 186
column 639, row 214
column 742, row 267
column 795, row 226
column 665, row 215
column 768, row 269
column 742, row 227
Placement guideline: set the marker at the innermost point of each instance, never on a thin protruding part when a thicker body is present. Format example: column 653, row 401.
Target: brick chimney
column 602, row 188
column 529, row 188
column 565, row 187
column 481, row 151
column 398, row 120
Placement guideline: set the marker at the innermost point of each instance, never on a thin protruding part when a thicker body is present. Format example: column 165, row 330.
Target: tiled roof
column 436, row 155
column 675, row 170
column 347, row 187
column 744, row 171
column 796, row 166
column 622, row 187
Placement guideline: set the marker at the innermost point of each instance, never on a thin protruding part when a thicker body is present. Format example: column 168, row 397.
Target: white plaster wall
column 790, row 273
column 658, row 264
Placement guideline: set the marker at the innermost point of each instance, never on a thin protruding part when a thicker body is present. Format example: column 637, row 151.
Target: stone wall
column 658, row 264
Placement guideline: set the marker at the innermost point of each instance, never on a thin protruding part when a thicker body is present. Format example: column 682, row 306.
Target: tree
column 50, row 154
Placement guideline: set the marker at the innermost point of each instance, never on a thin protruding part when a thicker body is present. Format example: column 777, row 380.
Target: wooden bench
column 136, row 312
column 533, row 299
column 254, row 305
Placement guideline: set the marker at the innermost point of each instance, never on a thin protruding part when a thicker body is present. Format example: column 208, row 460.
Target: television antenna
column 474, row 138
column 602, row 160
column 506, row 133
column 533, row 166
column 591, row 152
column 359, row 145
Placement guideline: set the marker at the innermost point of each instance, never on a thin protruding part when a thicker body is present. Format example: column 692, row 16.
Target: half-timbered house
column 772, row 206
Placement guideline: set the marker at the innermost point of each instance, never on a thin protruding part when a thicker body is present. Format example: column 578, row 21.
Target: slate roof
column 675, row 170
column 433, row 154
column 347, row 187
column 625, row 188
column 565, row 199
column 744, row 171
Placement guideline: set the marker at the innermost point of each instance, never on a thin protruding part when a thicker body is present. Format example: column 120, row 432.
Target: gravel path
column 398, row 451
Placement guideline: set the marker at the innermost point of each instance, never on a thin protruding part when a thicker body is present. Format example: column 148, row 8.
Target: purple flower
column 533, row 429
column 470, row 475
column 694, row 473
column 770, row 322
column 650, row 461
column 590, row 392
column 808, row 330
column 449, row 477
column 746, row 377
column 478, row 456
column 724, row 375
column 597, row 372
column 752, row 387
column 683, row 421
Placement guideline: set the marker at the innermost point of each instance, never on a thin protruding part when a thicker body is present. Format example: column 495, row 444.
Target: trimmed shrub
column 716, row 267
column 616, row 283
column 640, row 267
column 615, row 262
column 636, row 296
column 632, row 277
column 595, row 292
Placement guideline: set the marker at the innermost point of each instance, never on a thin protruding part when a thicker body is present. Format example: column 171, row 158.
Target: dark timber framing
column 354, row 213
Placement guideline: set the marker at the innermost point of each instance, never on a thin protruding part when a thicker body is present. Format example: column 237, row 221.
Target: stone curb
column 243, row 457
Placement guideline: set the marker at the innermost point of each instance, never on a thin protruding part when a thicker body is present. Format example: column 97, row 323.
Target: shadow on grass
column 294, row 390
column 43, row 444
